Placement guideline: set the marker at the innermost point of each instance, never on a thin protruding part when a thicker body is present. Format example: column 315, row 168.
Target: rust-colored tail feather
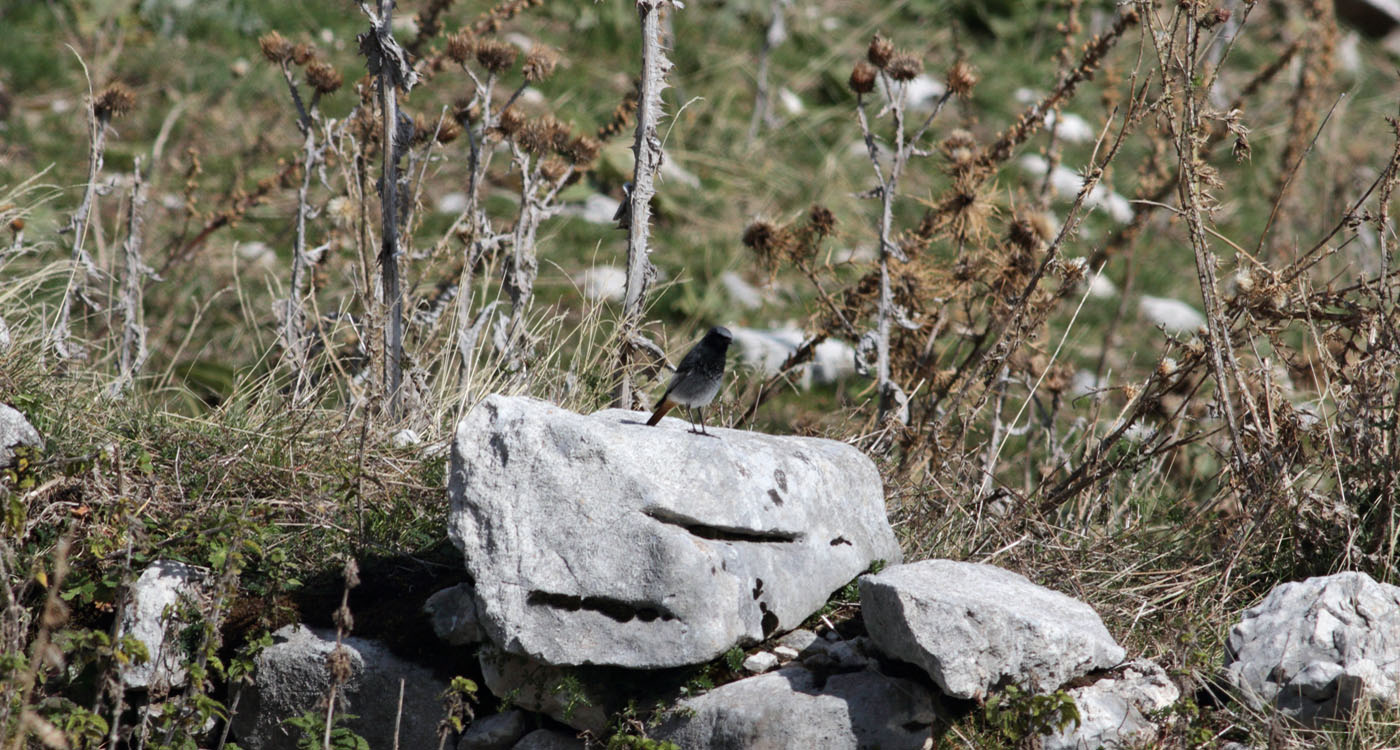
column 661, row 409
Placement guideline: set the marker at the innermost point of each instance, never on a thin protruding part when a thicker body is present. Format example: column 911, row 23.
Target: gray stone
column 785, row 653
column 794, row 708
column 973, row 627
column 599, row 540
column 15, row 431
column 761, row 662
column 741, row 292
column 1113, row 712
column 292, row 677
column 798, row 640
column 844, row 654
column 1314, row 649
column 568, row 694
column 498, row 732
column 765, row 350
column 163, row 601
column 452, row 613
column 545, row 739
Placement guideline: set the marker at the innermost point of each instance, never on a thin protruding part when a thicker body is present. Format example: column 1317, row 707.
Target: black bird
column 697, row 379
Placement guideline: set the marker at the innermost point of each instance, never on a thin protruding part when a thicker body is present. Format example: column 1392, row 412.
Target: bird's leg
column 702, row 421
column 690, row 414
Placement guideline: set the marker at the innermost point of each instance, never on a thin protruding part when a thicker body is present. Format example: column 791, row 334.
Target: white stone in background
column 15, row 431
column 1066, row 183
column 766, row 350
column 163, row 601
column 1174, row 316
column 741, row 292
column 405, row 25
column 521, row 41
column 1086, row 383
column 595, row 209
column 405, row 438
column 6, row 341
column 760, row 662
column 670, row 170
column 291, row 678
column 794, row 708
column 257, row 253
column 973, row 626
column 800, row 641
column 603, row 283
column 599, row 540
column 790, row 101
column 452, row 613
column 924, row 92
column 497, row 732
column 451, row 203
column 1071, row 128
column 532, row 96
column 1114, row 711
column 1314, row 649
column 785, row 653
column 1102, row 287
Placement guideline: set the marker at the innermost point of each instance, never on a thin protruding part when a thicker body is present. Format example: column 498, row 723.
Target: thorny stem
column 133, row 352
column 84, row 268
column 647, row 150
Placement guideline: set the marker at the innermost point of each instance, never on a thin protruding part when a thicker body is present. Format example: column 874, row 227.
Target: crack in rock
column 721, row 533
column 615, row 609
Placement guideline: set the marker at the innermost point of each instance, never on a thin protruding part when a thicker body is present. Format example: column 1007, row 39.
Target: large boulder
column 1314, row 649
column 974, row 627
column 15, row 431
column 1115, row 711
column 599, row 540
column 292, row 677
column 164, row 600
column 794, row 707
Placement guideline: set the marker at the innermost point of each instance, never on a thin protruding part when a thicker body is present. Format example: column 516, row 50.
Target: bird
column 697, row 379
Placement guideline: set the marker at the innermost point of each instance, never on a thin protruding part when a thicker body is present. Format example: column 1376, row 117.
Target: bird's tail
column 661, row 409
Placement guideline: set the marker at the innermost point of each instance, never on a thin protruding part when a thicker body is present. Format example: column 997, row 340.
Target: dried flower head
column 904, row 67
column 821, row 220
column 862, row 78
column 510, row 121
column 275, row 47
column 496, row 56
column 114, row 101
column 761, row 237
column 537, row 136
column 961, row 78
column 17, row 224
column 461, row 47
column 581, row 150
column 464, row 111
column 1166, row 368
column 449, row 131
column 553, row 168
column 959, row 147
column 539, row 63
column 1022, row 234
column 303, row 53
column 323, row 77
column 338, row 660
column 880, row 52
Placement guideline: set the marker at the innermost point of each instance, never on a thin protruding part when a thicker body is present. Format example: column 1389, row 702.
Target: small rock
column 924, row 92
column 545, row 739
column 596, row 209
column 1114, row 711
column 765, row 350
column 790, row 101
column 1101, row 287
column 760, row 662
column 15, row 431
column 240, row 67
column 973, row 627
column 452, row 613
column 1315, row 649
column 497, row 732
column 793, row 708
column 1174, row 316
column 291, row 678
column 1071, row 128
column 257, row 253
column 5, row 340
column 452, row 203
column 162, row 602
column 603, row 283
column 1086, row 383
column 1066, row 183
column 670, row 170
column 405, row 438
column 798, row 640
column 567, row 694
column 741, row 292
column 786, row 653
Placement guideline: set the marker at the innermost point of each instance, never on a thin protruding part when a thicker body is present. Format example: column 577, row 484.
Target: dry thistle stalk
column 647, row 150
